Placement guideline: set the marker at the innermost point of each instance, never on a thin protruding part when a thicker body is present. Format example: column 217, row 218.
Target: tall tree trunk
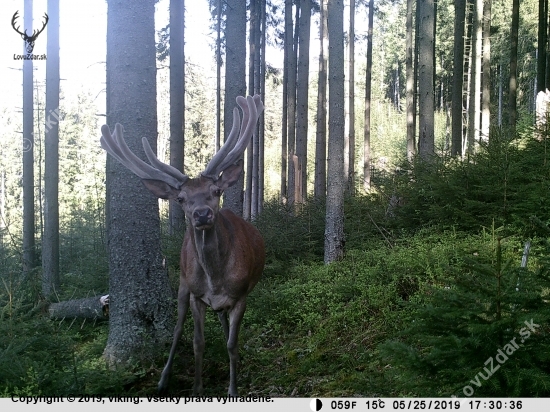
column 50, row 242
column 139, row 292
column 235, row 83
column 334, row 224
column 541, row 46
column 513, row 86
column 29, row 259
column 302, row 107
column 177, row 103
column 486, row 75
column 258, row 80
column 252, row 52
column 286, row 73
column 474, row 116
column 320, row 184
column 368, row 93
column 219, row 63
column 411, row 109
column 261, row 138
column 351, row 101
column 291, row 109
column 426, row 147
column 458, row 77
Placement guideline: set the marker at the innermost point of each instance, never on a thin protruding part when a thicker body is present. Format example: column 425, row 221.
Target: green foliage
column 505, row 182
column 484, row 332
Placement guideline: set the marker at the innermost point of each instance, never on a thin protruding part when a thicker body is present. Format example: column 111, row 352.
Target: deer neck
column 211, row 248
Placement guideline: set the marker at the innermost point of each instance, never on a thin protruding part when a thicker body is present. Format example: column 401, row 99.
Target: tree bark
column 219, row 64
column 368, row 93
column 541, row 45
column 50, row 242
column 177, row 103
column 29, row 256
column 140, row 295
column 513, row 85
column 411, row 109
column 334, row 225
column 302, row 95
column 235, row 84
column 426, row 147
column 458, row 77
column 351, row 101
column 291, row 109
column 486, row 73
column 93, row 308
column 320, row 181
column 474, row 116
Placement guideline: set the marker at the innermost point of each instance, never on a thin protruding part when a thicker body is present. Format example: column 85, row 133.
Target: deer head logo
column 29, row 40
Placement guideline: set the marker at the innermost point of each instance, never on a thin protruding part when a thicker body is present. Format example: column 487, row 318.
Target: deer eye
column 217, row 192
column 180, row 200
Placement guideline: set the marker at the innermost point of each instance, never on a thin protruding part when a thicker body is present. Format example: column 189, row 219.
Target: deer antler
column 24, row 34
column 236, row 142
column 13, row 19
column 115, row 145
column 35, row 33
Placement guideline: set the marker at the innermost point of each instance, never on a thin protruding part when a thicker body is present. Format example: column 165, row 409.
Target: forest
column 397, row 168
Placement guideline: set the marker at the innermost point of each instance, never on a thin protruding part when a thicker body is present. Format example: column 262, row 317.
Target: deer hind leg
column 183, row 307
column 198, row 309
column 235, row 317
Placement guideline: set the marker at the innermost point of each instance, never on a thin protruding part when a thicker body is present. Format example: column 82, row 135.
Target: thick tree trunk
column 235, row 84
column 140, row 296
column 334, row 224
column 50, row 242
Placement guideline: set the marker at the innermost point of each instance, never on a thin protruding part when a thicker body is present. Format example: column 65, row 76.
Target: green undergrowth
column 429, row 289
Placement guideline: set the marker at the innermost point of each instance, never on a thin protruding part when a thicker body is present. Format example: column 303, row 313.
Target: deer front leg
column 198, row 309
column 183, row 307
column 235, row 317
column 222, row 316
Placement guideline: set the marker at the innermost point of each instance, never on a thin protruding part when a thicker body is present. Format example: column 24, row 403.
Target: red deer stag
column 222, row 256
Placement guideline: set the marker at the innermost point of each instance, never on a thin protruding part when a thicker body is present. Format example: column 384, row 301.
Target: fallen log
column 94, row 308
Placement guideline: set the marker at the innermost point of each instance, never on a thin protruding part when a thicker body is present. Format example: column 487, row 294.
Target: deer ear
column 230, row 175
column 160, row 188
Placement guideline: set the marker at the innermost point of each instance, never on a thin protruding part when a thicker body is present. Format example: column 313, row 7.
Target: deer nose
column 203, row 216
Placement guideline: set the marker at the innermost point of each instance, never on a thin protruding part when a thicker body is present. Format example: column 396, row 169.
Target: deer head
column 28, row 39
column 199, row 197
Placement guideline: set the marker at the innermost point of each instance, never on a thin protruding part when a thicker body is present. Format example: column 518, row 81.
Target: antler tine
column 117, row 147
column 13, row 19
column 166, row 168
column 251, row 111
column 35, row 33
column 212, row 170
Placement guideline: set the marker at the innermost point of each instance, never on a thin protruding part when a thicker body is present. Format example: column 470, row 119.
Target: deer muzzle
column 203, row 218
